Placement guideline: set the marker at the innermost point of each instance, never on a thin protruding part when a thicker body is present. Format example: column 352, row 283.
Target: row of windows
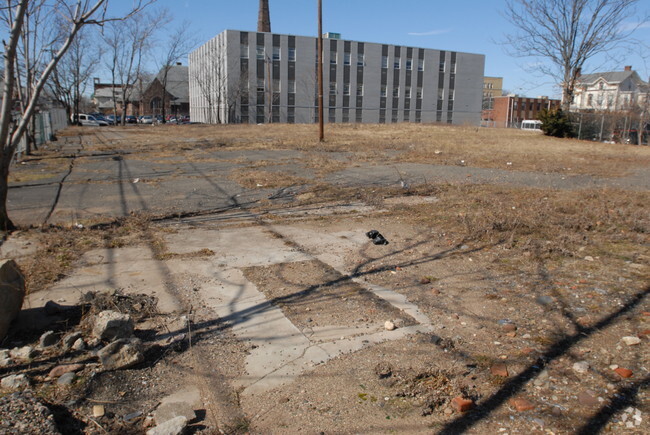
column 261, row 55
column 261, row 117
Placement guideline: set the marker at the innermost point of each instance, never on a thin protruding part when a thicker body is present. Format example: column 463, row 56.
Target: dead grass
column 255, row 178
column 421, row 143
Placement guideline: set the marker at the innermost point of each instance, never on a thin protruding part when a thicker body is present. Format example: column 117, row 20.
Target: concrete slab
column 131, row 269
column 242, row 247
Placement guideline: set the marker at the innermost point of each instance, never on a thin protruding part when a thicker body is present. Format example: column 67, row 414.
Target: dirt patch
column 313, row 295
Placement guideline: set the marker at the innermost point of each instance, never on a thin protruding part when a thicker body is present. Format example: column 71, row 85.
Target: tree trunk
column 5, row 223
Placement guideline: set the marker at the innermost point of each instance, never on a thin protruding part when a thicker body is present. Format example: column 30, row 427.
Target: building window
column 346, row 89
column 359, row 116
column 396, row 63
column 599, row 100
column 260, row 52
column 409, row 64
column 276, row 85
column 243, row 51
column 393, row 117
column 442, row 66
column 291, row 115
column 396, row 92
column 441, row 93
column 292, row 54
column 291, row 86
column 276, row 53
column 418, row 95
column 420, row 64
column 332, row 115
column 346, row 115
column 333, row 88
column 259, row 117
column 601, row 85
column 346, row 59
column 407, row 92
column 333, row 57
column 384, row 61
column 451, row 94
column 452, row 69
column 360, row 59
column 260, row 85
column 383, row 91
column 359, row 90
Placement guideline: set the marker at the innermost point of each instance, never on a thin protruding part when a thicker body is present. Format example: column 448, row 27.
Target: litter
column 376, row 237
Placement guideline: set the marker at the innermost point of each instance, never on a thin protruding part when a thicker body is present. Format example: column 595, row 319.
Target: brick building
column 177, row 101
column 510, row 110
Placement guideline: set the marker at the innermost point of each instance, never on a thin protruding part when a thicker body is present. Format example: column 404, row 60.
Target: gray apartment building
column 250, row 77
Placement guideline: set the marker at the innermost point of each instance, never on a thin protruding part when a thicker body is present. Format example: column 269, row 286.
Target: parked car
column 112, row 119
column 147, row 119
column 84, row 119
column 130, row 119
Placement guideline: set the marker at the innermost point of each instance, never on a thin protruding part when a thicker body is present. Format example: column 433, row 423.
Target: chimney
column 264, row 19
column 628, row 68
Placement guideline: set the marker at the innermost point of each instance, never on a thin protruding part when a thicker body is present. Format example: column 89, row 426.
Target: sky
column 474, row 26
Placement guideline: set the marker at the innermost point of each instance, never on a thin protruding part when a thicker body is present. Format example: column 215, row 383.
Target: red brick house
column 510, row 110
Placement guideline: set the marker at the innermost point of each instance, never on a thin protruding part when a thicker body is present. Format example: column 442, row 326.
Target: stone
column 111, row 325
column 22, row 413
column 48, row 339
column 63, row 369
column 623, row 372
column 98, row 411
column 68, row 340
column 169, row 410
column 15, row 382
column 121, row 354
column 25, row 353
column 499, row 369
column 5, row 362
column 175, row 426
column 389, row 325
column 581, row 367
column 67, row 379
column 587, row 398
column 521, row 404
column 508, row 327
column 461, row 404
column 12, row 294
column 79, row 344
column 631, row 341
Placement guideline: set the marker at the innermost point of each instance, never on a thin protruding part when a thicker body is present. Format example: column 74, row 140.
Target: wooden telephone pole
column 321, row 130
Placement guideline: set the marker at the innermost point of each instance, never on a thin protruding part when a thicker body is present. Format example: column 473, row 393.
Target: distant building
column 492, row 87
column 613, row 91
column 105, row 94
column 177, row 101
column 248, row 77
column 510, row 110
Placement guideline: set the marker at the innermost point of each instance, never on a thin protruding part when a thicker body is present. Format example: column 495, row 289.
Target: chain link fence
column 611, row 127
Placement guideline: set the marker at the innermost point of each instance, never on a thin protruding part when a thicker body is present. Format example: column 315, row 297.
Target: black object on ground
column 376, row 237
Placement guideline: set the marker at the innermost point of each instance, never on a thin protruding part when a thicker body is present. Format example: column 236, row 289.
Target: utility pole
column 321, row 132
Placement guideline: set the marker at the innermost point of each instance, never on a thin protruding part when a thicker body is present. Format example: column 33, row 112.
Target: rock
column 509, row 327
column 389, row 325
column 68, row 340
column 499, row 369
column 63, row 369
column 48, row 339
column 544, row 300
column 111, row 325
column 169, row 410
column 98, row 411
column 121, row 354
column 67, row 379
column 79, row 344
column 623, row 372
column 521, row 404
column 12, row 293
column 175, row 426
column 589, row 258
column 15, row 382
column 581, row 367
column 5, row 361
column 587, row 398
column 383, row 370
column 631, row 341
column 25, row 353
column 461, row 404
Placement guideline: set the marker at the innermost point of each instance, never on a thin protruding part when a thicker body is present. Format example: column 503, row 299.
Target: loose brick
column 624, row 373
column 521, row 404
column 461, row 404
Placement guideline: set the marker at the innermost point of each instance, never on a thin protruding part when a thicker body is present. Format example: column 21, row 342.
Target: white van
column 83, row 119
column 531, row 124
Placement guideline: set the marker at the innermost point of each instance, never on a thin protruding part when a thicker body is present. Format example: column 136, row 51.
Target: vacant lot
column 515, row 266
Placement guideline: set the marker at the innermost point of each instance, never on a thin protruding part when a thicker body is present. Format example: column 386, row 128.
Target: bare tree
column 179, row 44
column 567, row 33
column 128, row 43
column 13, row 125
